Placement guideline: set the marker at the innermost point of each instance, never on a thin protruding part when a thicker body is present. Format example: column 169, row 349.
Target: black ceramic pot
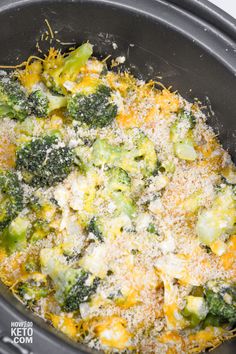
column 190, row 44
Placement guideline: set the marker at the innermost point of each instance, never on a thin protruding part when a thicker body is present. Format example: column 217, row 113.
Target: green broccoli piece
column 38, row 102
column 11, row 198
column 40, row 229
column 195, row 310
column 221, row 299
column 96, row 228
column 43, row 103
column 14, row 237
column 31, row 264
column 188, row 116
column 181, row 136
column 144, row 155
column 110, row 225
column 212, row 320
column 182, row 127
column 13, row 99
column 117, row 189
column 105, row 153
column 94, row 109
column 44, row 161
column 32, row 291
column 81, row 285
column 141, row 157
column 152, row 229
column 124, row 204
column 219, row 219
column 65, row 68
column 118, row 180
column 73, row 286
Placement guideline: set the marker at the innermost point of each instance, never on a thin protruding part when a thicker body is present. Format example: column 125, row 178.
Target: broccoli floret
column 212, row 321
column 40, row 229
column 73, row 286
column 124, row 204
column 141, row 157
column 181, row 136
column 42, row 103
column 96, row 228
column 105, row 153
column 188, row 116
column 44, row 210
column 124, row 208
column 32, row 290
column 31, row 264
column 14, row 237
column 219, row 219
column 11, row 198
column 118, row 180
column 195, row 310
column 152, row 229
column 59, row 69
column 144, row 155
column 110, row 226
column 39, row 103
column 94, row 109
column 81, row 285
column 221, row 299
column 44, row 161
column 182, row 127
column 117, row 189
column 13, row 99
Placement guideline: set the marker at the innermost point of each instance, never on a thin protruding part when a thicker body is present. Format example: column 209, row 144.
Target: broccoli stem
column 77, row 58
column 14, row 237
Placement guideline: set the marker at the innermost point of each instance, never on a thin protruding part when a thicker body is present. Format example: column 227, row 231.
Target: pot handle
column 7, row 346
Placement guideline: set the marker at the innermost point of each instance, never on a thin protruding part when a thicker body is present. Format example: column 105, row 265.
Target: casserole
column 193, row 53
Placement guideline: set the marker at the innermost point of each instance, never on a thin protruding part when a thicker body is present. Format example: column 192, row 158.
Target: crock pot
column 187, row 44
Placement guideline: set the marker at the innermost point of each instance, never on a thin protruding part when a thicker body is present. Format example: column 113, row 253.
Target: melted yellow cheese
column 112, row 332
